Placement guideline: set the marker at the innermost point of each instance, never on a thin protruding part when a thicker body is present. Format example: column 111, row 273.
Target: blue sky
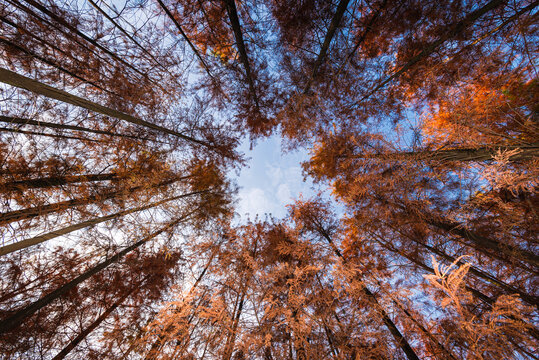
column 271, row 180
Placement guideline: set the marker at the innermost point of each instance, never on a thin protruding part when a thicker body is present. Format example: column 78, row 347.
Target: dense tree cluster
column 119, row 127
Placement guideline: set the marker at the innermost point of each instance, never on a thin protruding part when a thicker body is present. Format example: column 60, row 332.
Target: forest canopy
column 120, row 129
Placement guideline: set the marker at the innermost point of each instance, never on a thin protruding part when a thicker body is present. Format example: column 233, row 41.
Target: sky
column 271, row 179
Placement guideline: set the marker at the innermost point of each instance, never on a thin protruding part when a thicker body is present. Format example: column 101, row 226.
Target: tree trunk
column 236, row 28
column 48, row 182
column 488, row 246
column 431, row 48
column 159, row 342
column 80, row 337
column 23, row 244
column 481, row 242
column 14, row 79
column 72, row 28
column 508, row 289
column 17, row 120
column 393, row 329
column 53, row 64
column 229, row 346
column 463, row 154
column 18, row 318
column 57, row 136
column 531, row 329
column 111, row 20
column 184, row 35
column 24, row 214
column 335, row 21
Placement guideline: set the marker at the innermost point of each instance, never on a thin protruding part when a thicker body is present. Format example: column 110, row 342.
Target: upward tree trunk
column 184, row 35
column 480, row 242
column 390, row 325
column 361, row 39
column 14, row 79
column 48, row 182
column 431, row 48
column 23, row 121
column 463, row 154
column 231, row 340
column 53, row 64
column 17, row 215
column 335, row 21
column 69, row 229
column 490, row 247
column 73, row 29
column 80, row 337
column 18, row 318
column 57, row 136
column 160, row 341
column 531, row 329
column 236, row 28
column 111, row 20
column 508, row 289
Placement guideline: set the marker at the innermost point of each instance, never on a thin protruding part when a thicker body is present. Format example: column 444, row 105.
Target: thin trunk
column 18, row 131
column 24, row 121
column 395, row 332
column 159, row 342
column 454, row 30
column 507, row 21
column 60, row 29
column 330, row 337
column 45, row 42
column 481, row 242
column 361, row 39
column 23, row 244
column 25, row 214
column 335, row 21
column 111, row 20
column 64, row 23
column 441, row 348
column 488, row 246
column 80, row 337
column 53, row 64
column 23, row 82
column 184, row 35
column 18, row 318
column 464, row 154
column 299, row 344
column 236, row 28
column 229, row 346
column 508, row 289
column 531, row 329
column 48, row 182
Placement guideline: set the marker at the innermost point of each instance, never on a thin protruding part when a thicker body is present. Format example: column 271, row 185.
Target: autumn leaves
column 120, row 128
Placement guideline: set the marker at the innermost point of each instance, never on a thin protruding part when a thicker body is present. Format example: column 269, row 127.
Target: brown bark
column 453, row 30
column 393, row 329
column 25, row 121
column 23, row 244
column 335, row 21
column 80, row 337
column 17, row 319
column 73, row 29
column 463, row 154
column 48, row 182
column 57, row 136
column 236, row 28
column 14, row 79
column 186, row 38
column 25, row 214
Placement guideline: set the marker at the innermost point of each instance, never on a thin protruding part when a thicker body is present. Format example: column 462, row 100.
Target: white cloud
column 271, row 181
column 283, row 194
column 255, row 201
